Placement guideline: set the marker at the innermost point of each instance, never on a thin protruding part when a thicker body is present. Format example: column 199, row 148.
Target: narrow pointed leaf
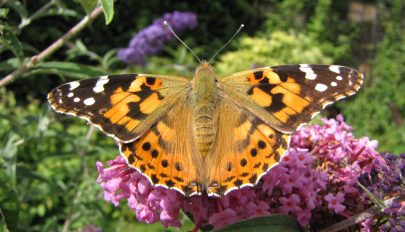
column 108, row 9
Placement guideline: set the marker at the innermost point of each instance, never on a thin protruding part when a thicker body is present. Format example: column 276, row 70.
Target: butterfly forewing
column 123, row 106
column 288, row 96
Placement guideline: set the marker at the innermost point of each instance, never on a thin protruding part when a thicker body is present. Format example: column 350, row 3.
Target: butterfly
column 210, row 134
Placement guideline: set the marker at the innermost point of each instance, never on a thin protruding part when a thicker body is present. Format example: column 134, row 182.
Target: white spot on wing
column 334, row 68
column 339, row 78
column 98, row 89
column 73, row 85
column 309, row 72
column 333, row 83
column 100, row 84
column 320, row 87
column 70, row 95
column 310, row 76
column 89, row 101
column 76, row 99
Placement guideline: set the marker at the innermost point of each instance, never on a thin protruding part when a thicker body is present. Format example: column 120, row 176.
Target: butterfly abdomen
column 204, row 107
column 204, row 127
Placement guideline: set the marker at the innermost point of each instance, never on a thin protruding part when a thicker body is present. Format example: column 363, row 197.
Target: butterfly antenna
column 181, row 41
column 237, row 32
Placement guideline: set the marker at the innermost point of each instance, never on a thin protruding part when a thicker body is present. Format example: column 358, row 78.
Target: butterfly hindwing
column 166, row 153
column 123, row 106
column 289, row 96
column 245, row 149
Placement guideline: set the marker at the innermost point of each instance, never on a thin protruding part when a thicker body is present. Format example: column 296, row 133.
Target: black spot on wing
column 179, row 179
column 150, row 80
column 261, row 144
column 146, row 146
column 154, row 179
column 258, row 75
column 229, row 179
column 131, row 159
column 165, row 163
column 238, row 182
column 135, row 111
column 243, row 162
column 154, row 153
column 277, row 103
column 253, row 179
column 253, row 152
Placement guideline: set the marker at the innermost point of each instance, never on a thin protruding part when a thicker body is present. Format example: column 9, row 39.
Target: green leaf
column 9, row 154
column 69, row 69
column 88, row 5
column 272, row 223
column 19, row 8
column 108, row 9
column 9, row 40
column 4, row 12
column 9, row 205
column 9, row 65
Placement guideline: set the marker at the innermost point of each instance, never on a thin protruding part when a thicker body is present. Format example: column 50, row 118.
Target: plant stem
column 26, row 21
column 369, row 213
column 52, row 48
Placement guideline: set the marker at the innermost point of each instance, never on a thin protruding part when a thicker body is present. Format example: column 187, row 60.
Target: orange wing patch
column 280, row 98
column 167, row 161
column 289, row 96
column 251, row 149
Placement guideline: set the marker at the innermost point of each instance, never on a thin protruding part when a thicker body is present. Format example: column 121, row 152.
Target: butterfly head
column 204, row 67
column 204, row 82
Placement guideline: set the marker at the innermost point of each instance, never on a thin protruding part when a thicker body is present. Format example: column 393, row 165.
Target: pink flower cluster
column 150, row 204
column 343, row 158
column 318, row 175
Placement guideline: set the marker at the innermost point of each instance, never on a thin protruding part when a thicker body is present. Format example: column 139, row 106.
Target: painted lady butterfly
column 210, row 134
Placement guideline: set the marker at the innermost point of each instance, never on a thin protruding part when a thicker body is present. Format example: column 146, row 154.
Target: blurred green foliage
column 47, row 161
column 380, row 106
column 276, row 48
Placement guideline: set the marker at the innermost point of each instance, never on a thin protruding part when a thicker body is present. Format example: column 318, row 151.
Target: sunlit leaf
column 4, row 12
column 108, row 9
column 88, row 5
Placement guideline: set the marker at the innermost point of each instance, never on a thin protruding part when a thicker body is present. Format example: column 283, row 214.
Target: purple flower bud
column 151, row 39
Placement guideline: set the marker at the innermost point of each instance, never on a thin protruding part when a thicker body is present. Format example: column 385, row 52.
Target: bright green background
column 47, row 161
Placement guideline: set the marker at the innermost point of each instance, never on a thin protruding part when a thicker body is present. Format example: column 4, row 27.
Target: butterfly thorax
column 204, row 107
